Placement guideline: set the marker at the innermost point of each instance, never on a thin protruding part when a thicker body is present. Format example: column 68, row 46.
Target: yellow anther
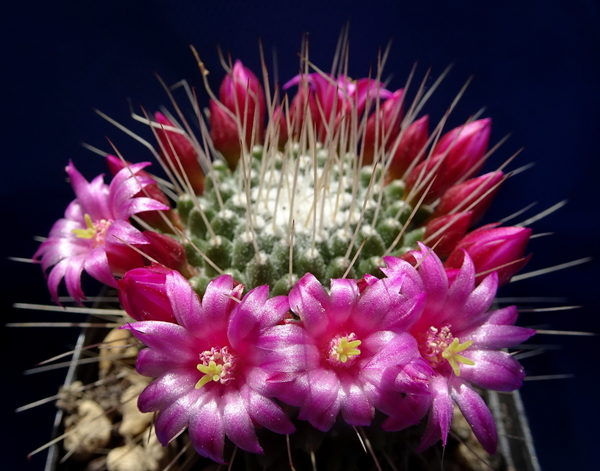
column 86, row 233
column 451, row 354
column 347, row 349
column 212, row 372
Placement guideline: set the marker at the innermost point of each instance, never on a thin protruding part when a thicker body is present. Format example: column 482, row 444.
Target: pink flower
column 331, row 100
column 358, row 355
column 462, row 341
column 213, row 368
column 95, row 231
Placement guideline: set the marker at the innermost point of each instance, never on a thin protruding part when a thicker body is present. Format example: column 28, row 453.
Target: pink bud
column 457, row 155
column 122, row 258
column 167, row 251
column 445, row 232
column 179, row 150
column 409, row 149
column 469, row 193
column 385, row 124
column 280, row 121
column 143, row 294
column 224, row 134
column 492, row 247
column 242, row 94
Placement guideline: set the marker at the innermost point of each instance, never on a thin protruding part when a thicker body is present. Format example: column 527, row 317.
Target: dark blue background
column 536, row 70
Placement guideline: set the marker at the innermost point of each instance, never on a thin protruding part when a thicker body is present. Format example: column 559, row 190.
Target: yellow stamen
column 86, row 233
column 212, row 372
column 451, row 354
column 347, row 349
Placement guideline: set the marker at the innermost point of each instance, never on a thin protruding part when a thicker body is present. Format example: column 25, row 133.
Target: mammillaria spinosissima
column 320, row 265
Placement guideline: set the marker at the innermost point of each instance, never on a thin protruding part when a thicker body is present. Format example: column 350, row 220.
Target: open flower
column 356, row 348
column 462, row 342
column 95, row 232
column 213, row 370
column 332, row 100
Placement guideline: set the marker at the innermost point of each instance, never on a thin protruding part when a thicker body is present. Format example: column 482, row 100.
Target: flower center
column 217, row 364
column 95, row 232
column 439, row 346
column 343, row 350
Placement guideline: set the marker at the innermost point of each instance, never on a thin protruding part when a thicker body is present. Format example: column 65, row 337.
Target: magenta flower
column 357, row 352
column 331, row 100
column 214, row 369
column 95, row 231
column 462, row 342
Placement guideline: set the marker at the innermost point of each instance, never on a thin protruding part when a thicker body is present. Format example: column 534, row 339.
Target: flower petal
column 237, row 423
column 207, row 431
column 493, row 369
column 476, row 413
column 356, row 407
column 440, row 414
column 265, row 412
column 308, row 299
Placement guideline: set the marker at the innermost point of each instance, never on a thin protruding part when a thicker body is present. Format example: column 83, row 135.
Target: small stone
column 134, row 422
column 87, row 431
column 118, row 346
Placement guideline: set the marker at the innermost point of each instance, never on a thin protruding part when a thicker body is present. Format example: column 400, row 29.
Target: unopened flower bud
column 122, row 258
column 409, row 149
column 180, row 152
column 143, row 294
column 242, row 96
column 383, row 127
column 445, row 232
column 167, row 251
column 301, row 105
column 473, row 195
column 492, row 248
column 457, row 155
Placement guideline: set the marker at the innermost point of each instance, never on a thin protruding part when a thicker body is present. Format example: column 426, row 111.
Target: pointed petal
column 356, row 408
column 184, row 301
column 497, row 336
column 207, row 432
column 476, row 413
column 96, row 264
column 440, row 414
column 237, row 423
column 493, row 369
column 308, row 299
column 265, row 412
column 167, row 389
column 167, row 338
